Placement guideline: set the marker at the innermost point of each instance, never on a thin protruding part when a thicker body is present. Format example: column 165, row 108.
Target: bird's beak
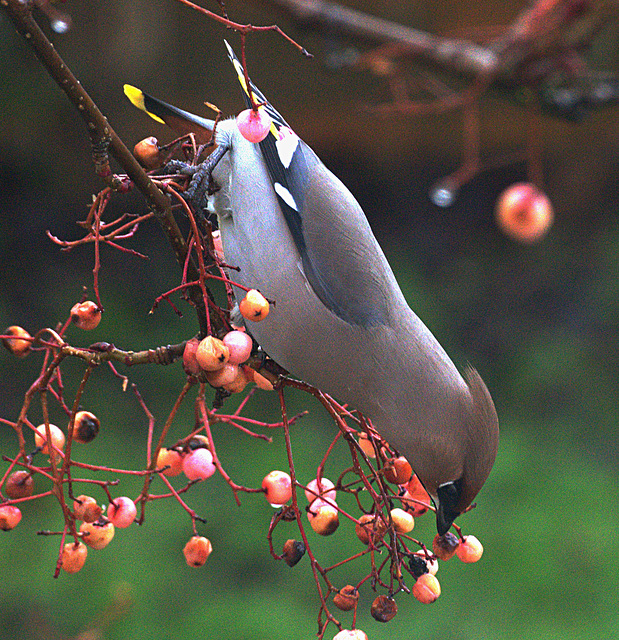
column 447, row 511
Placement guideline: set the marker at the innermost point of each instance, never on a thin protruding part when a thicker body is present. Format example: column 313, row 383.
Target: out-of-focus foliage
column 539, row 322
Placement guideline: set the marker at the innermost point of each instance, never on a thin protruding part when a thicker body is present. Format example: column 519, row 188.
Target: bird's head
column 461, row 464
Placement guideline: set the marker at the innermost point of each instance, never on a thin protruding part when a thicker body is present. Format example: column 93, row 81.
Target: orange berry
column 239, row 383
column 171, row 458
column 403, row 522
column 86, row 315
column 524, row 212
column 212, row 354
column 262, row 382
column 346, row 598
column 398, row 470
column 190, row 363
column 351, row 634
column 254, row 306
column 197, row 550
column 470, row 549
column 16, row 344
column 19, row 485
column 86, row 508
column 445, row 546
column 97, row 535
column 226, row 375
column 366, row 445
column 253, row 124
column 323, row 517
column 277, row 487
column 383, row 609
column 74, row 556
column 218, row 245
column 85, row 427
column 293, row 551
column 427, row 588
column 369, row 528
column 57, row 436
column 9, row 517
column 147, row 153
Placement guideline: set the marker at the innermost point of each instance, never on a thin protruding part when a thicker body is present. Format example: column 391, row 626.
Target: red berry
column 293, row 551
column 19, row 485
column 383, row 609
column 427, row 588
column 366, row 445
column 9, row 517
column 398, row 470
column 86, row 315
column 470, row 549
column 277, row 487
column 253, row 124
column 74, row 556
column 17, row 344
column 346, row 598
column 86, row 508
column 85, row 427
column 254, row 306
column 121, row 512
column 369, row 528
column 524, row 212
column 415, row 499
column 445, row 546
column 198, row 464
column 212, row 354
column 197, row 550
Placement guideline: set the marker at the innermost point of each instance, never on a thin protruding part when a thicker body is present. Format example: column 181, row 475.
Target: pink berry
column 9, row 517
column 240, row 345
column 121, row 512
column 226, row 375
column 277, row 487
column 470, row 549
column 326, row 491
column 254, row 125
column 198, row 464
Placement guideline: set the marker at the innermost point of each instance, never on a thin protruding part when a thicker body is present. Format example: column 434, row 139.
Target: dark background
column 539, row 322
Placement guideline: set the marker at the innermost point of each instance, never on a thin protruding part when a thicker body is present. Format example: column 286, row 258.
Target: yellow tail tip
column 136, row 97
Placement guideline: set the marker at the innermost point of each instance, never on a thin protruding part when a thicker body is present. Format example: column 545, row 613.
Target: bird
column 340, row 320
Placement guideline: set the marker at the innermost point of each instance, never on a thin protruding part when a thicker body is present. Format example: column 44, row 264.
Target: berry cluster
column 376, row 500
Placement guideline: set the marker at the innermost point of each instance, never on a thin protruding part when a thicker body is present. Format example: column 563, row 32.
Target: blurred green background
column 539, row 322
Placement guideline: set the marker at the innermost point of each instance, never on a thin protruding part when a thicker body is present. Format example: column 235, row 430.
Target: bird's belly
column 299, row 333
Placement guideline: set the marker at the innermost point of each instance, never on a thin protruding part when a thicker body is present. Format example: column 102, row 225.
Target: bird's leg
column 201, row 185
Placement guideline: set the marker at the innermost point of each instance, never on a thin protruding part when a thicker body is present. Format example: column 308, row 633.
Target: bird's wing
column 340, row 257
